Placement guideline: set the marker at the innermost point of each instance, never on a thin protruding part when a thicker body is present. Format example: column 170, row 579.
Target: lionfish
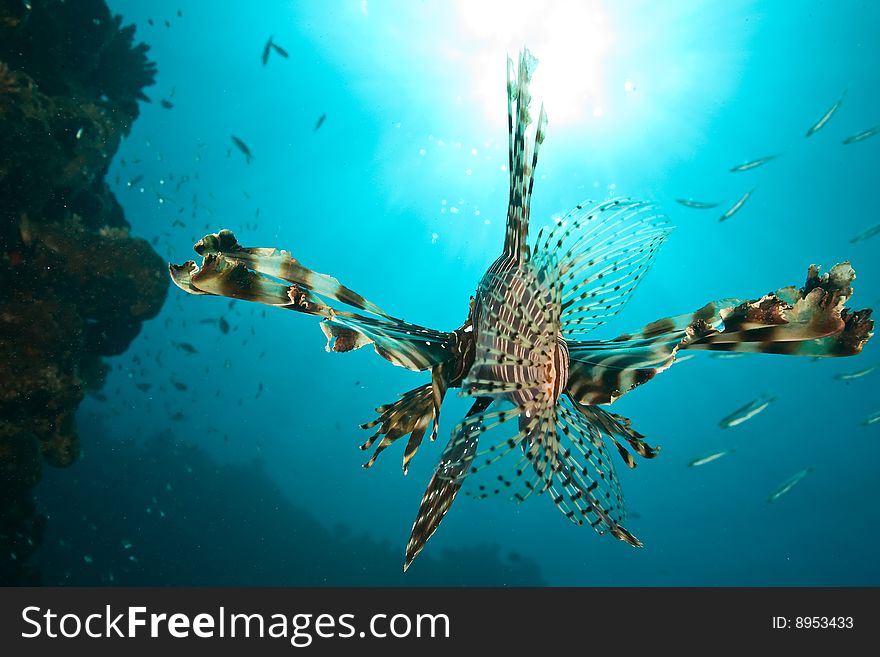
column 538, row 384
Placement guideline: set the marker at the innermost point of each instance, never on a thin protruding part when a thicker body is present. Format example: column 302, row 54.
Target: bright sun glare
column 569, row 37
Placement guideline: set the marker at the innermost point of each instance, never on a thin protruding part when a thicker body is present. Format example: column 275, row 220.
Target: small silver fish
column 873, row 418
column 726, row 355
column 747, row 412
column 864, row 134
column 736, row 206
column 753, row 164
column 79, row 133
column 696, row 205
column 789, row 484
column 866, row 234
column 825, row 118
column 703, row 460
column 681, row 359
column 849, row 376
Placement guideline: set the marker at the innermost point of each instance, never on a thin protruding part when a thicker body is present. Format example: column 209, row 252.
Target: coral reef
column 74, row 286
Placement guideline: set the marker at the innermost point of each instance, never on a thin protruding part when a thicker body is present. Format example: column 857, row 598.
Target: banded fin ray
column 806, row 321
column 565, row 455
column 219, row 276
column 606, row 248
column 410, row 415
column 281, row 264
column 259, row 275
column 601, row 371
column 408, row 345
column 617, row 428
column 521, row 164
column 445, row 482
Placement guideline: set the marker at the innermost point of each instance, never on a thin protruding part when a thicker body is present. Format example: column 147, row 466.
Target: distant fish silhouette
column 266, row 50
column 864, row 134
column 789, row 483
column 754, row 164
column 696, row 205
column 185, row 347
column 867, row 234
column 240, row 145
column 320, row 122
column 269, row 47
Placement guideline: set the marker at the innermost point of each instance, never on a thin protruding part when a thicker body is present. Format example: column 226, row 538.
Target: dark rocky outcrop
column 74, row 285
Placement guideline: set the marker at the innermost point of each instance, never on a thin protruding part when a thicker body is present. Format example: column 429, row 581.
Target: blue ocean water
column 249, row 471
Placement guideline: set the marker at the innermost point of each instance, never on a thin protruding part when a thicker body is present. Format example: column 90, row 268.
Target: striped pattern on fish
column 536, row 425
column 250, row 274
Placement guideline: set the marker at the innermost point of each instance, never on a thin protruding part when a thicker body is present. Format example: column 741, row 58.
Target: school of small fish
column 761, row 161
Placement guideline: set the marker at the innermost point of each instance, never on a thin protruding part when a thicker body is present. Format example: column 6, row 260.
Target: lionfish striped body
column 538, row 385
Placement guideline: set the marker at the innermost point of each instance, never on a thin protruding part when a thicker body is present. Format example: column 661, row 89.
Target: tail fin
column 520, row 164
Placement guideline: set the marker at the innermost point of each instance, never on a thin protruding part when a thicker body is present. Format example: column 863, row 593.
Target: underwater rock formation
column 181, row 518
column 74, row 286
